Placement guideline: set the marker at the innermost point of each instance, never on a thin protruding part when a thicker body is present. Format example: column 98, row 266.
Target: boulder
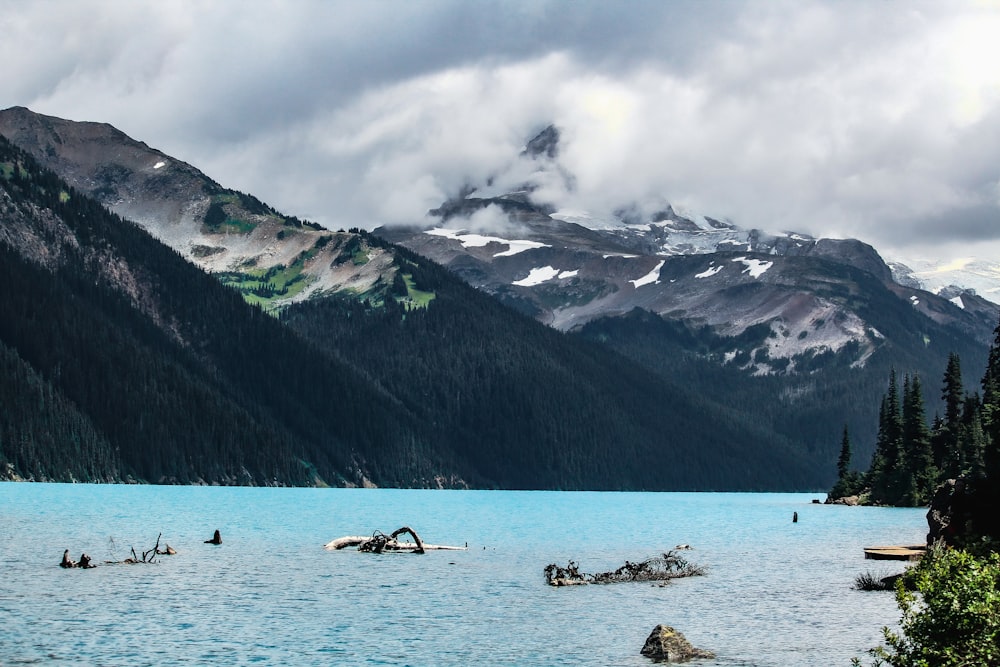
column 665, row 644
column 942, row 521
column 965, row 513
column 852, row 501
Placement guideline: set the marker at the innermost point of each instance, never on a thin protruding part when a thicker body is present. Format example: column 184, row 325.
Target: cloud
column 874, row 120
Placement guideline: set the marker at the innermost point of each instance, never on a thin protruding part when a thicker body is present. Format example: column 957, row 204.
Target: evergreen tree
column 991, row 409
column 972, row 440
column 844, row 460
column 887, row 476
column 948, row 455
column 921, row 475
column 849, row 482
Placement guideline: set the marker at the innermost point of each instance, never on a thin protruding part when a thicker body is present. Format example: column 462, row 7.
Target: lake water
column 776, row 594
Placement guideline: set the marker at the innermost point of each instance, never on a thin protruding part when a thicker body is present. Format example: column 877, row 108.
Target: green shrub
column 953, row 618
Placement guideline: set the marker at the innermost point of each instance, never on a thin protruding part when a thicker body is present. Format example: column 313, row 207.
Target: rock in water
column 668, row 645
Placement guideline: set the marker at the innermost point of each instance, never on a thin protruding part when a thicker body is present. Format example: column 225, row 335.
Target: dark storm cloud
column 875, row 120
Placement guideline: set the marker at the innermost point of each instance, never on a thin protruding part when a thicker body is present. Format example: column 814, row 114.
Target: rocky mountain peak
column 545, row 143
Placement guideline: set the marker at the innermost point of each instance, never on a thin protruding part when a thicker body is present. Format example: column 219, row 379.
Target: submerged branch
column 659, row 568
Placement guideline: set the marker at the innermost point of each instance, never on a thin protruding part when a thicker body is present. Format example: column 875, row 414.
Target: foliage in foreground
column 953, row 618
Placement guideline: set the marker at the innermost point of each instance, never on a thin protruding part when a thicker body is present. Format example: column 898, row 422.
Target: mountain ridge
column 761, row 333
column 168, row 376
column 274, row 259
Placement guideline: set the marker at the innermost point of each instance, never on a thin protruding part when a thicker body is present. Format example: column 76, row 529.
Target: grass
column 267, row 287
column 870, row 581
column 235, row 226
column 415, row 298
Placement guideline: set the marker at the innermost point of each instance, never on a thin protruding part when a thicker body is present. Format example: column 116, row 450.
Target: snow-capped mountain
column 569, row 268
column 798, row 296
column 981, row 276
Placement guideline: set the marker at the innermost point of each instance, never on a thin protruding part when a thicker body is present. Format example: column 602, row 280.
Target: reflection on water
column 776, row 594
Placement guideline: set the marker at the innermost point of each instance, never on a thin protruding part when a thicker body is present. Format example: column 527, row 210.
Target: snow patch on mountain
column 755, row 267
column 543, row 274
column 537, row 276
column 957, row 300
column 980, row 276
column 515, row 246
column 159, row 165
column 710, row 271
column 653, row 277
column 586, row 219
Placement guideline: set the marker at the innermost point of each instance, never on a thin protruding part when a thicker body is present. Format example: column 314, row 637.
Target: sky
column 874, row 119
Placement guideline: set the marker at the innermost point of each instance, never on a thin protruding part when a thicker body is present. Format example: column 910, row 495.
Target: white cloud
column 874, row 120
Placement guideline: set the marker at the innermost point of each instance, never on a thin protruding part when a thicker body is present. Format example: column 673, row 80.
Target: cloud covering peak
column 874, row 120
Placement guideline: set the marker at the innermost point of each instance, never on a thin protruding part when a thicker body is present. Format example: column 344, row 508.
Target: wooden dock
column 895, row 552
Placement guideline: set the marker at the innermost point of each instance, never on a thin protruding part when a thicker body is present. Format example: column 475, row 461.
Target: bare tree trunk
column 416, row 538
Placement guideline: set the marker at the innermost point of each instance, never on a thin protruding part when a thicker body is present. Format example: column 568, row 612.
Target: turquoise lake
column 776, row 594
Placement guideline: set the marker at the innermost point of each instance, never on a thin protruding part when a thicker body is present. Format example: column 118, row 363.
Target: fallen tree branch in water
column 379, row 542
column 148, row 556
column 659, row 568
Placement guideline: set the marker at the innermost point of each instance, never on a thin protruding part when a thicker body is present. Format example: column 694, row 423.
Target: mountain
column 128, row 362
column 704, row 271
column 721, row 358
column 272, row 258
column 799, row 333
column 954, row 278
column 124, row 361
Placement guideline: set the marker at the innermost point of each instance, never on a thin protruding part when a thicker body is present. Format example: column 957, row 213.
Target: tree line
column 913, row 457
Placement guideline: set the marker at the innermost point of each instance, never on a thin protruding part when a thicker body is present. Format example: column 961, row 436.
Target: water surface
column 777, row 593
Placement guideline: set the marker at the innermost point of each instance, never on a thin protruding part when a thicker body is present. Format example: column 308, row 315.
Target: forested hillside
column 126, row 362
column 530, row 407
column 830, row 390
column 161, row 373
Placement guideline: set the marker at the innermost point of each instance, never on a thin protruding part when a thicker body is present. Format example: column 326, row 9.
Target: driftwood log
column 659, row 568
column 378, row 542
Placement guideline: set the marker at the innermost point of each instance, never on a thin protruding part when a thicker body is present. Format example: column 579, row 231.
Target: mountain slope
column 695, row 268
column 172, row 370
column 526, row 404
column 743, row 346
column 171, row 377
column 272, row 258
column 797, row 333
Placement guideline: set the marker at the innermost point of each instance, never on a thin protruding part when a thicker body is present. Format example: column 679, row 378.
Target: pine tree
column 849, row 482
column 844, row 460
column 948, row 455
column 920, row 473
column 972, row 440
column 990, row 414
column 884, row 477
